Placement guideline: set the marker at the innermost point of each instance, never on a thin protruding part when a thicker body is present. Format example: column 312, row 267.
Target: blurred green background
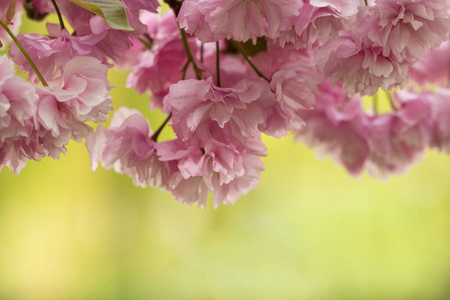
column 308, row 231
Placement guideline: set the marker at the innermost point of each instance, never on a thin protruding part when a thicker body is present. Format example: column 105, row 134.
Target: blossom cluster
column 225, row 72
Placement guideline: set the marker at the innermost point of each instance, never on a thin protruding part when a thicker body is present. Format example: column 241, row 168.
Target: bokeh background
column 308, row 231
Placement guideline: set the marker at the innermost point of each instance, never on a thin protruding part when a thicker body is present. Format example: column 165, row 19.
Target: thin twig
column 217, row 65
column 61, row 21
column 24, row 52
column 238, row 47
column 198, row 72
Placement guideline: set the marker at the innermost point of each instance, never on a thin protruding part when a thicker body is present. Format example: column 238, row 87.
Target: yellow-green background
column 308, row 231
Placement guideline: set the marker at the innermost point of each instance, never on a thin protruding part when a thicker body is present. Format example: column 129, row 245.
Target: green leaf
column 113, row 11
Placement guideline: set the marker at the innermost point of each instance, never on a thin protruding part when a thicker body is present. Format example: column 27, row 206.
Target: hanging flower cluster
column 225, row 72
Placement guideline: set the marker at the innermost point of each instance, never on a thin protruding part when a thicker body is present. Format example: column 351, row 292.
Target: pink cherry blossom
column 159, row 28
column 160, row 68
column 199, row 106
column 233, row 68
column 110, row 42
column 408, row 27
column 17, row 101
column 294, row 87
column 346, row 8
column 276, row 58
column 134, row 6
column 398, row 139
column 15, row 152
column 51, row 53
column 360, row 65
column 440, row 102
column 79, row 96
column 221, row 167
column 434, row 67
column 318, row 20
column 127, row 146
column 212, row 20
column 381, row 144
column 17, row 109
column 337, row 127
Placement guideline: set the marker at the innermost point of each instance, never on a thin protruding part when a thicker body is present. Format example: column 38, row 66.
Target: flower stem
column 201, row 52
column 448, row 77
column 392, row 101
column 183, row 76
column 239, row 48
column 158, row 131
column 61, row 22
column 217, row 64
column 146, row 44
column 375, row 104
column 198, row 72
column 161, row 127
column 175, row 5
column 30, row 61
